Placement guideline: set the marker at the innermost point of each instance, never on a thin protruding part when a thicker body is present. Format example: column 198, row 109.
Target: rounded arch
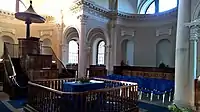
column 70, row 33
column 46, row 42
column 97, row 32
column 164, row 53
column 127, row 50
column 196, row 12
column 9, row 35
column 7, row 39
column 94, row 37
column 144, row 6
column 95, row 50
column 129, row 38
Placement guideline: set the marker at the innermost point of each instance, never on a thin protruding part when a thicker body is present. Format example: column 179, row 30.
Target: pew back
column 148, row 72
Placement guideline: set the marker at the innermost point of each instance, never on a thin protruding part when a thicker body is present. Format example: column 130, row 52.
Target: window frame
column 148, row 3
column 77, row 52
column 149, row 6
column 97, row 52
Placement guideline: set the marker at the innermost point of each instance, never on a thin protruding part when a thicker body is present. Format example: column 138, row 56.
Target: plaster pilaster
column 82, row 65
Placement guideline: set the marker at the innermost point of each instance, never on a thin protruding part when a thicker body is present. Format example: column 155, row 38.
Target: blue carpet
column 3, row 108
column 152, row 108
column 17, row 103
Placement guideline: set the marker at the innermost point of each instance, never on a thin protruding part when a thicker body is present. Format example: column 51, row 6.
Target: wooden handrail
column 98, row 90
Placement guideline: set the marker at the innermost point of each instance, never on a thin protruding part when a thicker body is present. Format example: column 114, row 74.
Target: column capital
column 83, row 18
column 194, row 33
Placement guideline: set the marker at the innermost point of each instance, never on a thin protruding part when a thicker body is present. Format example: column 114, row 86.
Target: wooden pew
column 72, row 68
column 149, row 72
column 97, row 70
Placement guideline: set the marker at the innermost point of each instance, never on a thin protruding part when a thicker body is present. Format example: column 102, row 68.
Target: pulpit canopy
column 30, row 15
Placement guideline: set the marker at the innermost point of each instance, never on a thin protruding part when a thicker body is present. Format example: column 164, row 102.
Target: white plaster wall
column 145, row 39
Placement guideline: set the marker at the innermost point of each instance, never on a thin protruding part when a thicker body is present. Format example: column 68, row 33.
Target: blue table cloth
column 81, row 87
column 93, row 105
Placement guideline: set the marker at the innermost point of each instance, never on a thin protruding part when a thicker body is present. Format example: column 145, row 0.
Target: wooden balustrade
column 47, row 96
column 148, row 72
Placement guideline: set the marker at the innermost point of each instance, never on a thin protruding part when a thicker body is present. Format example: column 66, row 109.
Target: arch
column 157, row 6
column 7, row 39
column 94, row 36
column 164, row 52
column 9, row 35
column 46, row 42
column 127, row 51
column 70, row 33
column 144, row 5
column 98, row 31
column 196, row 12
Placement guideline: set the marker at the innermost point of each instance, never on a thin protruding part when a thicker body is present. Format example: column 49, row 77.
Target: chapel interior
column 99, row 56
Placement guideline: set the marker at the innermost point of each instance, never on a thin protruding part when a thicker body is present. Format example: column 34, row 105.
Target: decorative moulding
column 7, row 30
column 46, row 33
column 164, row 31
column 107, row 13
column 127, row 32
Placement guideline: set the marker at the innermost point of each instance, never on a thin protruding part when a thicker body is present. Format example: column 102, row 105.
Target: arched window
column 151, row 8
column 156, row 6
column 73, row 52
column 100, row 52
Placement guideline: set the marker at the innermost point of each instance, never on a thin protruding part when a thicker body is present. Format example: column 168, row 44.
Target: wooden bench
column 148, row 72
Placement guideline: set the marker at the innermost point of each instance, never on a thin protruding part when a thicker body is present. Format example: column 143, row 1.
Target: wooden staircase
column 29, row 63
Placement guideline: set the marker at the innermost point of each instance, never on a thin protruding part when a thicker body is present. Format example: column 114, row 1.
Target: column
column 183, row 93
column 194, row 35
column 89, row 55
column 193, row 61
column 65, row 53
column 107, row 57
column 60, row 31
column 82, row 62
column 59, row 37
